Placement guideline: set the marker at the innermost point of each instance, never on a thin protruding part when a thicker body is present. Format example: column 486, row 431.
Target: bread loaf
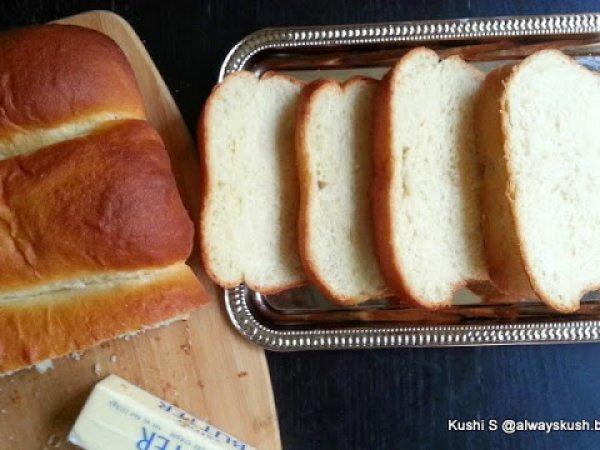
column 250, row 184
column 93, row 233
column 425, row 194
column 538, row 128
column 333, row 144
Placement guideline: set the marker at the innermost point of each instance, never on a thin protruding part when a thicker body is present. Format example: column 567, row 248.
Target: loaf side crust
column 55, row 324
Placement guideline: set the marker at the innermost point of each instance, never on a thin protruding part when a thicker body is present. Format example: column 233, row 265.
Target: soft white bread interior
column 426, row 189
column 550, row 111
column 333, row 144
column 250, row 192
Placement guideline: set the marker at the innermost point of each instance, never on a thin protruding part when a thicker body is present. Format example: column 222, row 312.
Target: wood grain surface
column 201, row 365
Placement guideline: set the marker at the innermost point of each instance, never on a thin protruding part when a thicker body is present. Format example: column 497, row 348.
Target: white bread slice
column 250, row 192
column 426, row 189
column 549, row 123
column 333, row 145
column 501, row 245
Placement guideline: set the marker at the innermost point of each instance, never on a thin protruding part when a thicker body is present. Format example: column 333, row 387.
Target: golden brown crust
column 55, row 74
column 501, row 244
column 307, row 193
column 93, row 233
column 274, row 290
column 52, row 325
column 359, row 79
column 104, row 202
column 287, row 78
column 204, row 188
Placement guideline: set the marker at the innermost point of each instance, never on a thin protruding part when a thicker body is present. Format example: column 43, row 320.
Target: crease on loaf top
column 58, row 82
column 108, row 280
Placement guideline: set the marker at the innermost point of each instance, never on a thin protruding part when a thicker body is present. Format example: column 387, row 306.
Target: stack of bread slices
column 430, row 180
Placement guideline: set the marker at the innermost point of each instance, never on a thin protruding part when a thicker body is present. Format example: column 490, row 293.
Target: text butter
column 121, row 416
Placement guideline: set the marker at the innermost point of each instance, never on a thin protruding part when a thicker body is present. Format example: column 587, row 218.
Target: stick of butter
column 121, row 416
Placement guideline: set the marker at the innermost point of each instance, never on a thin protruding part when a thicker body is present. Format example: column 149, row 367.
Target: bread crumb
column 54, row 441
column 242, row 374
column 186, row 348
column 44, row 366
column 113, row 359
column 169, row 391
column 97, row 369
column 3, row 411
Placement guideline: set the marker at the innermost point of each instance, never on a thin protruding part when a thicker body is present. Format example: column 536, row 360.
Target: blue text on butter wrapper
column 199, row 427
column 153, row 441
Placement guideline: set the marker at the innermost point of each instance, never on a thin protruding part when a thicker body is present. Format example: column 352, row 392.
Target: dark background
column 383, row 399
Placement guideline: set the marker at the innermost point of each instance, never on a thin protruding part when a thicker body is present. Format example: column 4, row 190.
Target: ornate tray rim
column 381, row 336
column 405, row 32
column 245, row 322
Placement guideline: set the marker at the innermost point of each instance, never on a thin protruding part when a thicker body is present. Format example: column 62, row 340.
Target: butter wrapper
column 120, row 416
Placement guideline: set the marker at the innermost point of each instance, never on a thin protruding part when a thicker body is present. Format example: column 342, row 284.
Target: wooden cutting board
column 201, row 365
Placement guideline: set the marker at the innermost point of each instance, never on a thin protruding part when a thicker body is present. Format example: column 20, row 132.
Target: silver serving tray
column 302, row 319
